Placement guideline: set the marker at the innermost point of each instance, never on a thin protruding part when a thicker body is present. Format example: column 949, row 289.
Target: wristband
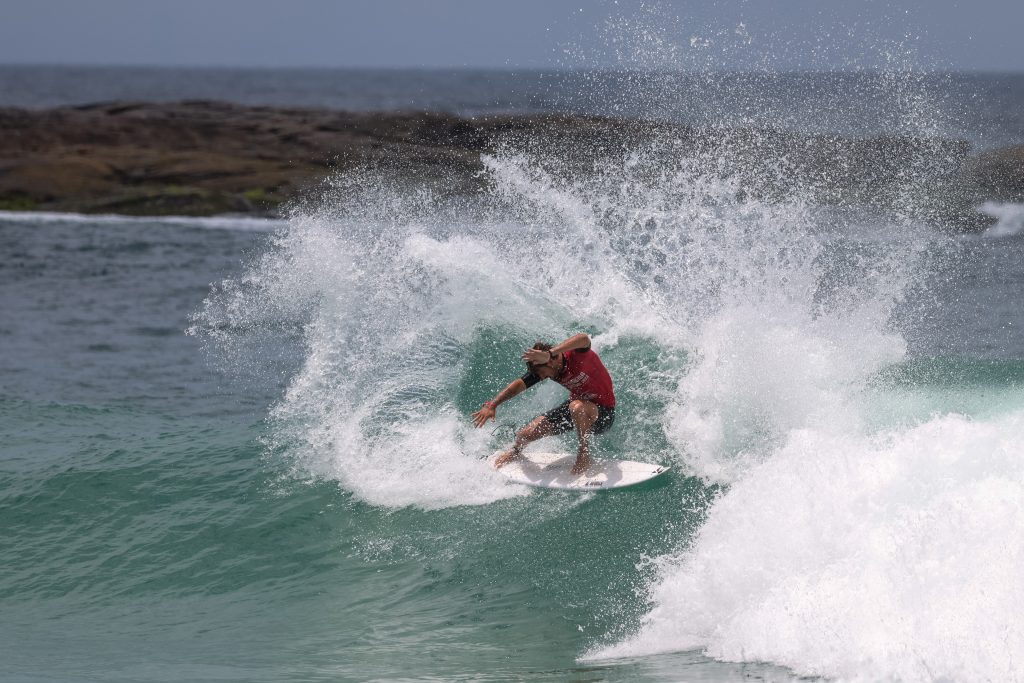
column 491, row 404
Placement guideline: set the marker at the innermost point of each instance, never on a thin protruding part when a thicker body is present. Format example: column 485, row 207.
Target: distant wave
column 240, row 223
column 1009, row 218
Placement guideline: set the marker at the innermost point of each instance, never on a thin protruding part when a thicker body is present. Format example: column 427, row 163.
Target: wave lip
column 891, row 556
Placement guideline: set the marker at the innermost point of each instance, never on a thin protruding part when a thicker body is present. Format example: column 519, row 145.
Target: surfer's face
column 547, row 370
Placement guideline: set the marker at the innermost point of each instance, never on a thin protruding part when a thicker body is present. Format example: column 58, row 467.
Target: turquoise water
column 152, row 534
column 239, row 450
column 182, row 507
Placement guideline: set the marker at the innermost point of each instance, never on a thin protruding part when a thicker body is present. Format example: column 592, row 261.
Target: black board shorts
column 560, row 419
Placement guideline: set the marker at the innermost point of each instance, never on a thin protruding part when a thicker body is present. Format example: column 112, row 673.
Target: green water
column 295, row 493
column 156, row 542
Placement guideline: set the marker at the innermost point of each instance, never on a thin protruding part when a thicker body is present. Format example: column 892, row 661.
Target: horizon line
column 505, row 69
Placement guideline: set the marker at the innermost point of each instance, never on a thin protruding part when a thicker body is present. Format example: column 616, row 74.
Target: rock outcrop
column 202, row 158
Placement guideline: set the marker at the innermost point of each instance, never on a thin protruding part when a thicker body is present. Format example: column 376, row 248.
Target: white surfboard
column 551, row 471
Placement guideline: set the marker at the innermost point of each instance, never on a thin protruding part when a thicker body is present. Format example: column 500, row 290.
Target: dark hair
column 539, row 346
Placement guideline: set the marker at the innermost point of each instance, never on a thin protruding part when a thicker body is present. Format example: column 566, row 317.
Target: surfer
column 590, row 408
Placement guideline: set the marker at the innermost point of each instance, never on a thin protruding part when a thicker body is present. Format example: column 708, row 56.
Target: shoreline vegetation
column 203, row 158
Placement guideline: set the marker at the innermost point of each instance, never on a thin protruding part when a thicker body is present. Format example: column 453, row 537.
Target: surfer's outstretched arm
column 487, row 412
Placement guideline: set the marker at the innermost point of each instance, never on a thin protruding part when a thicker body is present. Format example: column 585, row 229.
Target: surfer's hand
column 483, row 415
column 537, row 357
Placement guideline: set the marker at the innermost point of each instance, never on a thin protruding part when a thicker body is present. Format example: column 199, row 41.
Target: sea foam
column 837, row 546
column 895, row 555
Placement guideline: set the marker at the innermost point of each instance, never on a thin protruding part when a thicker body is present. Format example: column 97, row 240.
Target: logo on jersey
column 577, row 381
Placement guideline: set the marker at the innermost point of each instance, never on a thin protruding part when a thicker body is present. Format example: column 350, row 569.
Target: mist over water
column 754, row 331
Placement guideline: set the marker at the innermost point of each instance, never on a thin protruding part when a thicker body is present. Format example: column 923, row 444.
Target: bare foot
column 582, row 463
column 507, row 457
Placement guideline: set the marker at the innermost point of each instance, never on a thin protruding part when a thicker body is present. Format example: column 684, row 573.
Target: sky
column 974, row 35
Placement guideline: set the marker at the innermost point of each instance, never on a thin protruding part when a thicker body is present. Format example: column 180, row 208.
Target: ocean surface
column 238, row 449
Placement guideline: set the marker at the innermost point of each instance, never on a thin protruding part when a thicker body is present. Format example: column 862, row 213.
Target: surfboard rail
column 552, row 471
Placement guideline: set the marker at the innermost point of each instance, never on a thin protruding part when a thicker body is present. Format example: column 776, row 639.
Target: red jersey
column 585, row 377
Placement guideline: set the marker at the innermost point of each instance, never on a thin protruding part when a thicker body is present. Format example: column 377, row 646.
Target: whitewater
column 859, row 526
column 240, row 449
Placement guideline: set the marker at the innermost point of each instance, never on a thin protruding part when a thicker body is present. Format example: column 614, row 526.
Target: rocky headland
column 205, row 158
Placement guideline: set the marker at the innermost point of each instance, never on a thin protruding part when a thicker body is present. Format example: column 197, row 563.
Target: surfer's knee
column 582, row 411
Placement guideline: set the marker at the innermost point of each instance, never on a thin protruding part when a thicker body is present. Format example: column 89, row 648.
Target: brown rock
column 999, row 174
column 203, row 157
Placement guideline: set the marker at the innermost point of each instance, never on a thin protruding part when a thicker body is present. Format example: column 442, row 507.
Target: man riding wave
column 590, row 408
